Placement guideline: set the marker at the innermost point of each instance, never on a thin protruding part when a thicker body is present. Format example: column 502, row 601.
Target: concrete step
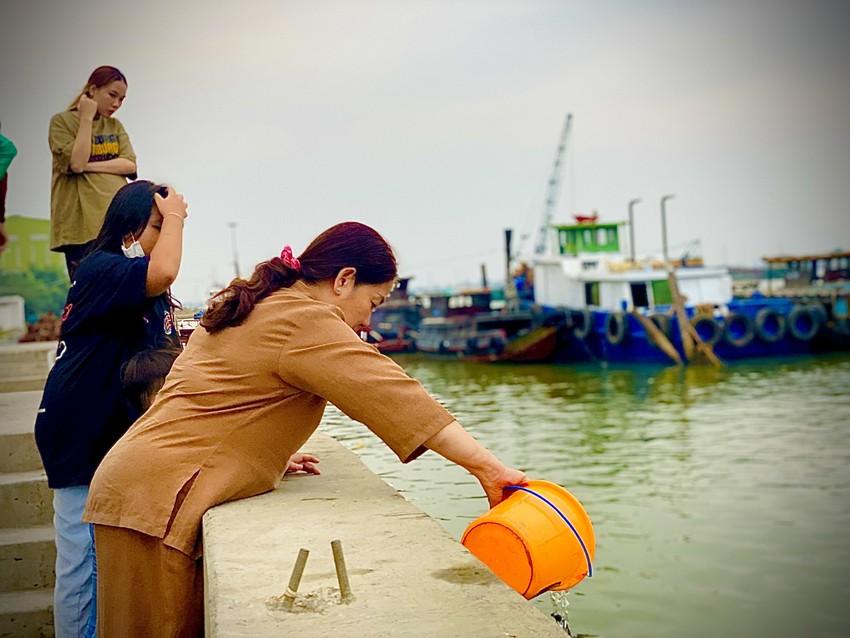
column 25, row 366
column 23, row 384
column 17, row 368
column 27, row 614
column 34, row 351
column 27, row 359
column 25, row 499
column 18, row 453
column 27, row 559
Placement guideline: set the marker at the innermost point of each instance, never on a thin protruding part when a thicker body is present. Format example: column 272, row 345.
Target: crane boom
column 554, row 188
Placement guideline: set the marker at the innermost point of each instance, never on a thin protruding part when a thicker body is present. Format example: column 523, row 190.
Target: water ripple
column 719, row 497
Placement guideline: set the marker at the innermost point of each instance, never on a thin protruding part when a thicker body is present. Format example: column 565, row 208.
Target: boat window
column 640, row 297
column 567, row 243
column 591, row 293
column 601, row 236
column 661, row 294
column 589, row 265
column 460, row 301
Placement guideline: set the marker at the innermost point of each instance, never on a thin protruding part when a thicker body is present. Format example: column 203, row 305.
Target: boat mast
column 554, row 188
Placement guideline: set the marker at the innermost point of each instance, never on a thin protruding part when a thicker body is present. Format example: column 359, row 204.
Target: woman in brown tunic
column 242, row 398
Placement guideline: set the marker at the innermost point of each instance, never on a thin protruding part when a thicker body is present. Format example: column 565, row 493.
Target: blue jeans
column 75, row 595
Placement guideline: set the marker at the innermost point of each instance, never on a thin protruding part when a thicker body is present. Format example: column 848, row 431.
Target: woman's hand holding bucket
column 502, row 477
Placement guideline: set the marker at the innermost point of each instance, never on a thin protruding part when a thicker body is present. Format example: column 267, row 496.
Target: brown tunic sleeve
column 324, row 356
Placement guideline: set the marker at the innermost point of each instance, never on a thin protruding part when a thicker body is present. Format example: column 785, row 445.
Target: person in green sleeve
column 7, row 154
column 92, row 160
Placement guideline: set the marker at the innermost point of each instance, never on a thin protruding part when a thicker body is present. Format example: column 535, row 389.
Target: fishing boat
column 820, row 279
column 395, row 322
column 620, row 308
column 623, row 309
column 462, row 325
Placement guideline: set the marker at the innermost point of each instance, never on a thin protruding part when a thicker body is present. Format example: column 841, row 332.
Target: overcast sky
column 437, row 122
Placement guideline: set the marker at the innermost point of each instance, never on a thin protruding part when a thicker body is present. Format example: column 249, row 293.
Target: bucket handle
column 566, row 520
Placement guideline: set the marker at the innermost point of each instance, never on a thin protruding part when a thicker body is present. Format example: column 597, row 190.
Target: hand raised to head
column 172, row 204
column 87, row 107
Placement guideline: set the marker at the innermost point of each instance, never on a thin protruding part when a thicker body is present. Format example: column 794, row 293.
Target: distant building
column 29, row 246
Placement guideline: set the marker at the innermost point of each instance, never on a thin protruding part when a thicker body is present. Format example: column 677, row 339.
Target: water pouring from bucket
column 538, row 539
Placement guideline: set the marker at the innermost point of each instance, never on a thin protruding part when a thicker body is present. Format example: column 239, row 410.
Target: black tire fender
column 616, row 328
column 770, row 325
column 804, row 322
column 703, row 323
column 582, row 321
column 738, row 330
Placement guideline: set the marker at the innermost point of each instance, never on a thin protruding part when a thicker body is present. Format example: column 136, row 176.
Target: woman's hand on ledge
column 300, row 462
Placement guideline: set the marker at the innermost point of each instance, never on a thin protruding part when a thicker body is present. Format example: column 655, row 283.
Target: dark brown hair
column 348, row 244
column 144, row 374
column 101, row 76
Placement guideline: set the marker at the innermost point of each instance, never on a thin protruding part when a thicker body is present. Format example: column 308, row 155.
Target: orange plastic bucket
column 540, row 538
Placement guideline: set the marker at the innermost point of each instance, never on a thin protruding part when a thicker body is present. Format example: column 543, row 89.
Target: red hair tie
column 288, row 260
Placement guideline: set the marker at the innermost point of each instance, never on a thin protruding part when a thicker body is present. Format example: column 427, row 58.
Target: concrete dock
column 408, row 576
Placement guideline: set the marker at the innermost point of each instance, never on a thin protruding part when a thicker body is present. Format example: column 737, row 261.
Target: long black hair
column 129, row 213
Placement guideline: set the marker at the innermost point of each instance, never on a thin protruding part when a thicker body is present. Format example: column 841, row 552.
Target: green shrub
column 43, row 290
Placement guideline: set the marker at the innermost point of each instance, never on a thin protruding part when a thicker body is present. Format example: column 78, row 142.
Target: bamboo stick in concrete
column 341, row 573
column 295, row 579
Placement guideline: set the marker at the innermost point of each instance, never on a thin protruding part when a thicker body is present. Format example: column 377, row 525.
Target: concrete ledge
column 408, row 575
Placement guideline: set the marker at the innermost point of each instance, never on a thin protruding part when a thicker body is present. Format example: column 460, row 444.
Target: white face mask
column 135, row 249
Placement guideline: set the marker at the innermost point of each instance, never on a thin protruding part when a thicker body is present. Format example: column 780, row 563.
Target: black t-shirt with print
column 107, row 319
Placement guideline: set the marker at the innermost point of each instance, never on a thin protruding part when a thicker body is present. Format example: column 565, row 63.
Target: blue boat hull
column 764, row 327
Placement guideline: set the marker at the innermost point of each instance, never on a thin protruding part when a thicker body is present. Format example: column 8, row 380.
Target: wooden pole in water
column 658, row 337
column 704, row 348
column 511, row 302
column 295, row 579
column 681, row 315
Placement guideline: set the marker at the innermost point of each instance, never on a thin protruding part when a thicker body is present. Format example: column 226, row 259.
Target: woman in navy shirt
column 118, row 305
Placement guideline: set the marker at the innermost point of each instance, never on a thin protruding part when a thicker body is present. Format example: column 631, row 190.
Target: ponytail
column 231, row 306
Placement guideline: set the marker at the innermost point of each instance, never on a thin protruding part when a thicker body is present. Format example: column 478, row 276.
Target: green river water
column 720, row 498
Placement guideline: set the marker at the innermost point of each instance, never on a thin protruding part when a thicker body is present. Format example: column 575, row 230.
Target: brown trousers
column 146, row 589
